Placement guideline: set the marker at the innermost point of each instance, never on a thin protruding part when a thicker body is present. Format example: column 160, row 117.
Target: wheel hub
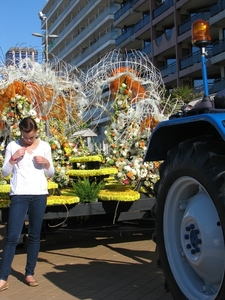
column 193, row 239
column 202, row 238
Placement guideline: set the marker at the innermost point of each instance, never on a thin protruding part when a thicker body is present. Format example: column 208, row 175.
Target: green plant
column 87, row 190
column 186, row 93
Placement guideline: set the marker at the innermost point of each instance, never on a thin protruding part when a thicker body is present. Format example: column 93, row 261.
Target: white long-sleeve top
column 27, row 176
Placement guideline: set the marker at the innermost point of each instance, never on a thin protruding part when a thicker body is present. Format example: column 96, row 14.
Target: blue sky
column 18, row 19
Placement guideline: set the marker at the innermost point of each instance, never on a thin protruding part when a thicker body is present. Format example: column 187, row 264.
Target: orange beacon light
column 200, row 33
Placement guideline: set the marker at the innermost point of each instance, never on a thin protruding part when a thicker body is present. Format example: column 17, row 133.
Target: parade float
column 126, row 88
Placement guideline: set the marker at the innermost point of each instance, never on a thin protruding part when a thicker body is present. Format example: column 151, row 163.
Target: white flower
column 37, row 120
column 143, row 173
column 119, row 174
column 136, row 145
column 146, row 183
column 134, row 171
column 151, row 166
column 124, row 153
column 32, row 112
column 127, row 168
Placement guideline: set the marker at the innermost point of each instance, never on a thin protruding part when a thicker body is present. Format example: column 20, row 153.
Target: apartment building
column 162, row 29
column 15, row 54
column 88, row 29
column 85, row 30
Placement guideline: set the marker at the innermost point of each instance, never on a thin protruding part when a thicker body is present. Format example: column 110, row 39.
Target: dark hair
column 28, row 124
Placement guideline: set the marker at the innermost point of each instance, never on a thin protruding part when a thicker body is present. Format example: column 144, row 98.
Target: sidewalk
column 90, row 266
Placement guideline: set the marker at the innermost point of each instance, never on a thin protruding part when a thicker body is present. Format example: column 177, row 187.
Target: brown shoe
column 30, row 281
column 4, row 286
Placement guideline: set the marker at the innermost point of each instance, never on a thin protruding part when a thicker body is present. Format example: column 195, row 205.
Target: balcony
column 106, row 42
column 122, row 10
column 142, row 23
column 162, row 8
column 185, row 26
column 218, row 85
column 76, row 41
column 218, row 52
column 75, row 22
column 194, row 58
column 217, row 7
column 168, row 70
column 165, row 41
column 126, row 16
column 218, row 47
column 147, row 49
column 141, row 5
column 128, row 33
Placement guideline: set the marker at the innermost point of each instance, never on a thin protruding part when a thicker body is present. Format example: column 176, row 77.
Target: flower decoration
column 89, row 158
column 18, row 108
column 113, row 195
column 4, row 201
column 92, row 173
column 62, row 200
column 61, row 151
column 5, row 188
column 128, row 135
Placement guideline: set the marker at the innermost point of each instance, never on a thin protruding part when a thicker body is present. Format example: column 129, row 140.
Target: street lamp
column 46, row 36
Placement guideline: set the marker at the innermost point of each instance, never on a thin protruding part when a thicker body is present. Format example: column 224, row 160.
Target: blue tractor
column 190, row 200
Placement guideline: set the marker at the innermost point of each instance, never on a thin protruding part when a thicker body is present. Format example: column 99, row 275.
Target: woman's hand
column 19, row 153
column 42, row 160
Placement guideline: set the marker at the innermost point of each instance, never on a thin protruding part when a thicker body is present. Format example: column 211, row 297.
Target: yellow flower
column 5, row 188
column 126, row 195
column 82, row 159
column 62, row 200
column 94, row 172
column 52, row 185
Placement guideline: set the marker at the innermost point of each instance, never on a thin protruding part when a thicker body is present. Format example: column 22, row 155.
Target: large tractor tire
column 190, row 220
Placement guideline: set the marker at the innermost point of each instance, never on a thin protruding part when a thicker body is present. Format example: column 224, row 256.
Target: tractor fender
column 170, row 133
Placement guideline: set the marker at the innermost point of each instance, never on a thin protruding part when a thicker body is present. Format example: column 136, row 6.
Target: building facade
column 88, row 29
column 15, row 54
column 162, row 29
column 85, row 30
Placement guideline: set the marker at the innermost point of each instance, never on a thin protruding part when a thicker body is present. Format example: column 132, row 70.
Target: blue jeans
column 20, row 206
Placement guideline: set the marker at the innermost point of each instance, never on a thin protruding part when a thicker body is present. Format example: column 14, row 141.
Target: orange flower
column 149, row 122
column 142, row 144
column 130, row 174
column 135, row 89
column 65, row 144
column 156, row 164
column 53, row 146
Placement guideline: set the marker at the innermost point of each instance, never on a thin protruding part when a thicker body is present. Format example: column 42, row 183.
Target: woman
column 29, row 161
